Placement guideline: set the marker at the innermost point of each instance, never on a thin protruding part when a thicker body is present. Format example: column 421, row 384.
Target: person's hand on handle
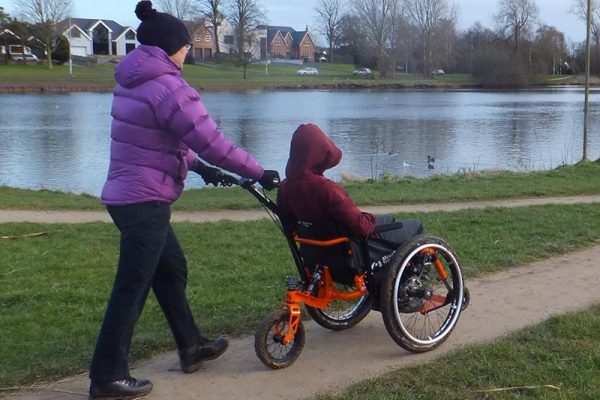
column 270, row 179
column 210, row 175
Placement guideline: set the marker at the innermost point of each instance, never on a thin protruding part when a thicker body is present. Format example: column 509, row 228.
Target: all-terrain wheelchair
column 418, row 286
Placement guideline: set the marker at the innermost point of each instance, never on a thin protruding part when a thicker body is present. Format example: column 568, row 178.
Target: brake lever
column 226, row 179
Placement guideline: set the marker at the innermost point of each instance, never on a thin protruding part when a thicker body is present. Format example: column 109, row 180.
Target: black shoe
column 125, row 389
column 191, row 359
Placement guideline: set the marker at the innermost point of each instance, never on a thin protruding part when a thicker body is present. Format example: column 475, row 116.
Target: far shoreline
column 79, row 87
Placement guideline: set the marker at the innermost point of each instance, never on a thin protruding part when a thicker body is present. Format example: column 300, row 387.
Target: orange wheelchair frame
column 418, row 289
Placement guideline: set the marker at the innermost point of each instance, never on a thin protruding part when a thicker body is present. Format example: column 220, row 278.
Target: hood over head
column 311, row 153
column 144, row 64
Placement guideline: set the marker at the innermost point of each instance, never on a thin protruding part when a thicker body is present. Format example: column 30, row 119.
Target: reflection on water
column 61, row 141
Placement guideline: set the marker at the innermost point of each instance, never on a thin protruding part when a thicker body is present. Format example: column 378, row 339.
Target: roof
column 284, row 30
column 87, row 23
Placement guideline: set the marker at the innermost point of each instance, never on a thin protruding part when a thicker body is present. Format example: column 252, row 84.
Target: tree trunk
column 49, row 50
column 217, row 45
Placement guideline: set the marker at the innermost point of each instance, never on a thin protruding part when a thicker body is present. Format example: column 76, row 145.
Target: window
column 197, row 37
column 207, row 38
column 228, row 39
column 75, row 33
column 130, row 35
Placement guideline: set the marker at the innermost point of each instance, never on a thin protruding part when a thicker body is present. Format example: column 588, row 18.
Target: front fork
column 319, row 294
column 293, row 322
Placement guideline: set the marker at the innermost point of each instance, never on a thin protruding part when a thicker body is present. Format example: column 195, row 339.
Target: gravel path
column 65, row 217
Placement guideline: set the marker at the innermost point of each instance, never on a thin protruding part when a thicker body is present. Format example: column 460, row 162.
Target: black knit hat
column 160, row 29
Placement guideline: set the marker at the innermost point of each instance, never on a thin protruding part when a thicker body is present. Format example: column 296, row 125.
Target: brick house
column 203, row 42
column 285, row 42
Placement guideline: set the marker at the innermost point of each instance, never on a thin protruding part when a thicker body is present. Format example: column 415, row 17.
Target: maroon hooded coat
column 307, row 195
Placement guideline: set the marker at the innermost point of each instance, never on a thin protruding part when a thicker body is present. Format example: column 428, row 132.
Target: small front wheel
column 269, row 342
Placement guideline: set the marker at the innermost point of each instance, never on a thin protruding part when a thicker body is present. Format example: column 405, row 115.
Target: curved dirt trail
column 501, row 303
column 76, row 217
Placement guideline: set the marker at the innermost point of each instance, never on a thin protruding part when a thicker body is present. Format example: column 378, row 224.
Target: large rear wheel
column 423, row 293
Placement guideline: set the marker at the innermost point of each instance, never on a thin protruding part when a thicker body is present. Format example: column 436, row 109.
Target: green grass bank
column 226, row 76
column 568, row 180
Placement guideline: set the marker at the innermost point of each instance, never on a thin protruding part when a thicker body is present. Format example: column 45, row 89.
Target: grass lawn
column 223, row 76
column 54, row 288
column 580, row 179
column 226, row 76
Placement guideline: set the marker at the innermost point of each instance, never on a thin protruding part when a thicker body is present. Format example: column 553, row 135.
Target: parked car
column 18, row 53
column 308, row 71
column 323, row 59
column 363, row 73
column 438, row 72
column 28, row 57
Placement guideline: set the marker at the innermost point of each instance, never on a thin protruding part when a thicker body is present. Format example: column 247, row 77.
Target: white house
column 90, row 37
column 228, row 40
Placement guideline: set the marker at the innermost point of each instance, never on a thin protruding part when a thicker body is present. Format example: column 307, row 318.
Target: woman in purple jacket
column 159, row 128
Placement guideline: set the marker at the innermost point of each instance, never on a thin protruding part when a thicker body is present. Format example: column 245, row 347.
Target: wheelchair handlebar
column 218, row 177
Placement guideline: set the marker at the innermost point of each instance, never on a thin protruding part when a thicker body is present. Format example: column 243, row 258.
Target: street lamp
column 586, row 105
column 70, row 57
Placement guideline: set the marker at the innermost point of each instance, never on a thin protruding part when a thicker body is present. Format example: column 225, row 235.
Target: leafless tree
column 430, row 16
column 182, row 9
column 213, row 11
column 244, row 16
column 379, row 19
column 580, row 10
column 515, row 19
column 4, row 20
column 46, row 14
column 330, row 18
column 551, row 49
column 23, row 31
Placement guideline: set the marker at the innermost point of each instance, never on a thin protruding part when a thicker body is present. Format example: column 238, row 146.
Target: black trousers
column 150, row 257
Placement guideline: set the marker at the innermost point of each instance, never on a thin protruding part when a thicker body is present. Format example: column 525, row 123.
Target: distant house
column 203, row 41
column 89, row 37
column 270, row 41
column 285, row 42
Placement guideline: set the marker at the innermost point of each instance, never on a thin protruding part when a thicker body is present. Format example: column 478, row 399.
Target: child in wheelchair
column 318, row 206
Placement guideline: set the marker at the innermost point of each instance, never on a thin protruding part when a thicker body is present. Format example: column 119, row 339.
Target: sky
column 300, row 13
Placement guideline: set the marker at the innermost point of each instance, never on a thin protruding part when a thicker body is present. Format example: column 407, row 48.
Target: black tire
column 342, row 314
column 410, row 281
column 267, row 341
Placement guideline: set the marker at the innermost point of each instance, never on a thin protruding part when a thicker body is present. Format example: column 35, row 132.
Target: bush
column 189, row 59
column 497, row 66
column 61, row 52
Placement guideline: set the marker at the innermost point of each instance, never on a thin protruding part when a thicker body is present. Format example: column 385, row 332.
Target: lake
column 61, row 141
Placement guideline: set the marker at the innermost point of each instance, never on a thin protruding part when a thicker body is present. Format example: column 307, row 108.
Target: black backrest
column 344, row 260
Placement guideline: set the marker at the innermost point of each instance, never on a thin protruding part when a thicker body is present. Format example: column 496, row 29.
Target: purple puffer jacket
column 157, row 119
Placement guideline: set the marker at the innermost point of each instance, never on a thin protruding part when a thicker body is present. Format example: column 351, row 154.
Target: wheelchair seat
column 329, row 244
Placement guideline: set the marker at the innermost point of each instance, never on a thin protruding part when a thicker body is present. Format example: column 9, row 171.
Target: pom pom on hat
column 144, row 10
column 160, row 29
